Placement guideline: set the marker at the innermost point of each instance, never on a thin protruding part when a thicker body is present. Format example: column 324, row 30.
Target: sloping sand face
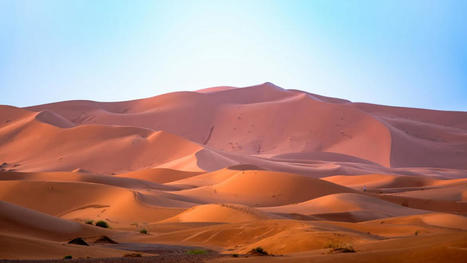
column 263, row 188
column 266, row 119
column 231, row 170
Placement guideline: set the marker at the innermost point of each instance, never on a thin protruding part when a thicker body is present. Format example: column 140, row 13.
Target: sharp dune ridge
column 229, row 169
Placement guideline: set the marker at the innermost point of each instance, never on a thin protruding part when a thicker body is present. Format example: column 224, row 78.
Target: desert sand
column 212, row 175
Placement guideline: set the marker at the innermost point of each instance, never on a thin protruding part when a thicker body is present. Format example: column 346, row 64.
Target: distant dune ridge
column 259, row 121
column 232, row 169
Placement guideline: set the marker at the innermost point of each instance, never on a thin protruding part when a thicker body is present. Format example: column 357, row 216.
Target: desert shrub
column 67, row 257
column 102, row 223
column 340, row 247
column 197, row 252
column 106, row 240
column 78, row 241
column 143, row 231
column 258, row 251
column 89, row 222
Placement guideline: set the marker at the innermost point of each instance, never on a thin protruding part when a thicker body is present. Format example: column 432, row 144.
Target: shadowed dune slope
column 159, row 175
column 432, row 219
column 456, row 192
column 28, row 234
column 381, row 181
column 345, row 207
column 423, row 137
column 124, row 182
column 19, row 220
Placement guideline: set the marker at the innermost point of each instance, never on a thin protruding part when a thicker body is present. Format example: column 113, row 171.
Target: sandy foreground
column 213, row 175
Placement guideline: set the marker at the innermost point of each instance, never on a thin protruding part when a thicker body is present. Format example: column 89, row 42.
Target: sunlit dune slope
column 268, row 120
column 35, row 145
column 263, row 188
column 83, row 201
column 220, row 213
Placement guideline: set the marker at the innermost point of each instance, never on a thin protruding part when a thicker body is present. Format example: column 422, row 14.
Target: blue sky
column 405, row 53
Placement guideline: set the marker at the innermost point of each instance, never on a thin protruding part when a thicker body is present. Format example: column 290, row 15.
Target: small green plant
column 67, row 257
column 89, row 222
column 340, row 247
column 197, row 252
column 143, row 231
column 102, row 223
column 258, row 251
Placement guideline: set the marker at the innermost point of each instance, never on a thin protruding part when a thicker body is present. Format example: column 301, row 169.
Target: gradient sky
column 406, row 53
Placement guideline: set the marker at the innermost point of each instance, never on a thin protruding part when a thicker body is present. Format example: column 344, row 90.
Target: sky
column 395, row 52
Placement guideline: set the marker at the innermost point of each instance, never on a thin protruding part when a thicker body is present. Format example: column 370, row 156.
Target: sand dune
column 83, row 201
column 424, row 137
column 159, row 175
column 435, row 248
column 384, row 181
column 276, row 236
column 28, row 234
column 263, row 188
column 88, row 147
column 15, row 220
column 449, row 221
column 407, row 226
column 237, row 122
column 20, row 247
column 288, row 236
column 348, row 207
column 452, row 193
column 446, row 220
column 389, row 136
column 436, row 205
column 207, row 179
column 120, row 181
column 219, row 213
column 381, row 181
column 232, row 169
